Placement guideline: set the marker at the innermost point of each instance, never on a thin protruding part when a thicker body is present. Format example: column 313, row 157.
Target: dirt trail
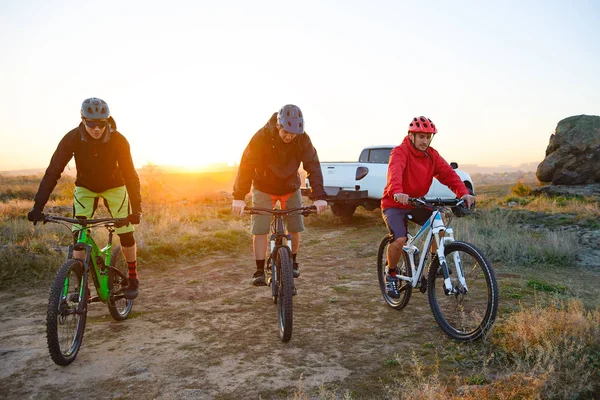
column 200, row 331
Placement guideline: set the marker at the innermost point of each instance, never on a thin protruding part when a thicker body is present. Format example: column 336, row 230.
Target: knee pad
column 127, row 239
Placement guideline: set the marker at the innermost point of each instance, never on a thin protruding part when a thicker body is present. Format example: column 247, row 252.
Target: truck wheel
column 343, row 210
column 469, row 188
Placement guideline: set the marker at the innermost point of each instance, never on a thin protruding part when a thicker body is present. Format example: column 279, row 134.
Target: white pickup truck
column 352, row 184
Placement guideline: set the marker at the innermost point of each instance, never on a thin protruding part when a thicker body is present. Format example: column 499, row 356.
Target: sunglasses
column 95, row 123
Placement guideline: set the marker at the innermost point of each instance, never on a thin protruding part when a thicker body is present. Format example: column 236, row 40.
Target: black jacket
column 101, row 165
column 271, row 165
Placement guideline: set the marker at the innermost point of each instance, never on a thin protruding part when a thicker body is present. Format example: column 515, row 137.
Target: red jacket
column 411, row 171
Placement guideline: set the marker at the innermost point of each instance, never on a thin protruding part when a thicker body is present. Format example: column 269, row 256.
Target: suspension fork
column 441, row 245
column 457, row 260
column 438, row 228
column 83, row 284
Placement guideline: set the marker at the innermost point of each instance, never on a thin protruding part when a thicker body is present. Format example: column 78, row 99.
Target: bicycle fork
column 448, row 288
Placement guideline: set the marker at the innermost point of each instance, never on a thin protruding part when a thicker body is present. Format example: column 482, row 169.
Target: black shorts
column 396, row 219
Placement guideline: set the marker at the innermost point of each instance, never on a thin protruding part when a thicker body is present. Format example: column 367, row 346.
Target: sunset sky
column 189, row 82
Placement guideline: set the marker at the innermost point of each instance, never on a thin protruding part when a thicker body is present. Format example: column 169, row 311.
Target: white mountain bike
column 463, row 293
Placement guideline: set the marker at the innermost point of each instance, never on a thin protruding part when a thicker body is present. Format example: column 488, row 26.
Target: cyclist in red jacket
column 411, row 170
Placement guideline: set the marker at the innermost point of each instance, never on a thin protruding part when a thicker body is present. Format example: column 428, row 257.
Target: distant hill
column 36, row 171
column 23, row 172
column 476, row 169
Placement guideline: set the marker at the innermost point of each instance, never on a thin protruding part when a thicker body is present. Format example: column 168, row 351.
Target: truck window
column 379, row 156
column 364, row 156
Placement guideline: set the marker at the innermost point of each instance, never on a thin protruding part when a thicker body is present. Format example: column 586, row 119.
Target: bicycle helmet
column 94, row 108
column 291, row 119
column 422, row 125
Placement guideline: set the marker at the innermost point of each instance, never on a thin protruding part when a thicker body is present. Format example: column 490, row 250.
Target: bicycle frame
column 277, row 235
column 97, row 260
column 433, row 229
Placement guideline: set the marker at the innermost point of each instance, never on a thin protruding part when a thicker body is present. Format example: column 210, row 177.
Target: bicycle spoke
column 404, row 288
column 64, row 324
column 118, row 306
column 465, row 315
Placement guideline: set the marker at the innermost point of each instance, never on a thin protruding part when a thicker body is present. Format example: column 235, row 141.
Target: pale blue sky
column 189, row 82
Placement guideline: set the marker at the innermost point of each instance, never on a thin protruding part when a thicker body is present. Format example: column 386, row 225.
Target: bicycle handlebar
column 116, row 222
column 435, row 202
column 274, row 211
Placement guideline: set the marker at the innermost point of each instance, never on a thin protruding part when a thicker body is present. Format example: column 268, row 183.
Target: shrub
column 521, row 189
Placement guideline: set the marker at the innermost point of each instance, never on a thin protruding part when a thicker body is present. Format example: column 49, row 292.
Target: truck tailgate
column 339, row 174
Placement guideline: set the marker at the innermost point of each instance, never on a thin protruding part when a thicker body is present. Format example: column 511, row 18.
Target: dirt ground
column 201, row 331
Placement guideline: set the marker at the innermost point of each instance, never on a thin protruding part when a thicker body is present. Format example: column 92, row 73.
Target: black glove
column 134, row 218
column 35, row 215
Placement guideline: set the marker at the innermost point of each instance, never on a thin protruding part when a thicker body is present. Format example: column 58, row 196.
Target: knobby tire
column 64, row 326
column 404, row 287
column 469, row 316
column 118, row 306
column 285, row 293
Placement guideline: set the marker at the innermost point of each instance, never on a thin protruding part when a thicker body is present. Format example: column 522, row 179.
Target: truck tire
column 343, row 210
column 469, row 187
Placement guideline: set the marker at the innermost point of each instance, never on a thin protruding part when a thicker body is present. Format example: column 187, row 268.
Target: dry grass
column 498, row 234
column 537, row 353
column 560, row 345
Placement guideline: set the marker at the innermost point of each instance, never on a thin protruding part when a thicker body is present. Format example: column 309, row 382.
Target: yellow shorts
column 116, row 201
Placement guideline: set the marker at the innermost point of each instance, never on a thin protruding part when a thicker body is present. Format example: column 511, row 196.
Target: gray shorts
column 262, row 223
column 396, row 219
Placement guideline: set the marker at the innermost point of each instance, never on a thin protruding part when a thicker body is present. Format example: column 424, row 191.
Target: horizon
column 224, row 167
column 189, row 83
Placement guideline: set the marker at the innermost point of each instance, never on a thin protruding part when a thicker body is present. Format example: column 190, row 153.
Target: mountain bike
column 70, row 293
column 461, row 284
column 279, row 272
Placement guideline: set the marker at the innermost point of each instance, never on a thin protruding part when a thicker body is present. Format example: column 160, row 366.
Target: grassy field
column 546, row 342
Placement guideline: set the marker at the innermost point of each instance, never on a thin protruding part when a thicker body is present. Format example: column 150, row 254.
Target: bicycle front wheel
column 118, row 306
column 285, row 293
column 404, row 287
column 465, row 315
column 64, row 324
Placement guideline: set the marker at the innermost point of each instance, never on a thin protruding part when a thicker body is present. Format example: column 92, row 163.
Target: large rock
column 573, row 154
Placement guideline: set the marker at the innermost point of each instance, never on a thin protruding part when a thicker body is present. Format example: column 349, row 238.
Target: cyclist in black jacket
column 270, row 164
column 104, row 170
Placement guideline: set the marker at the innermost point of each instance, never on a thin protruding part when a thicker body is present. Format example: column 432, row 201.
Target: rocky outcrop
column 573, row 154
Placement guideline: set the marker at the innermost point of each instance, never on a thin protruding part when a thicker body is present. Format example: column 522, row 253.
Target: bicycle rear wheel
column 464, row 316
column 64, row 325
column 404, row 287
column 285, row 285
column 118, row 306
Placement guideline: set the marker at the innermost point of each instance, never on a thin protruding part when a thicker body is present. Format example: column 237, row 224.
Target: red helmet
column 422, row 125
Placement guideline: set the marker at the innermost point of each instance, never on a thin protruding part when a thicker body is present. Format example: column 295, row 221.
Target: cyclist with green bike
column 105, row 171
column 270, row 165
column 411, row 169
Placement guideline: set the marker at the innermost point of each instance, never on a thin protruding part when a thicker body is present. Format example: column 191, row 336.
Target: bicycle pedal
column 93, row 299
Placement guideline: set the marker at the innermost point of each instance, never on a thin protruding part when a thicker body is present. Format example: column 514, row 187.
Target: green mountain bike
column 70, row 293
